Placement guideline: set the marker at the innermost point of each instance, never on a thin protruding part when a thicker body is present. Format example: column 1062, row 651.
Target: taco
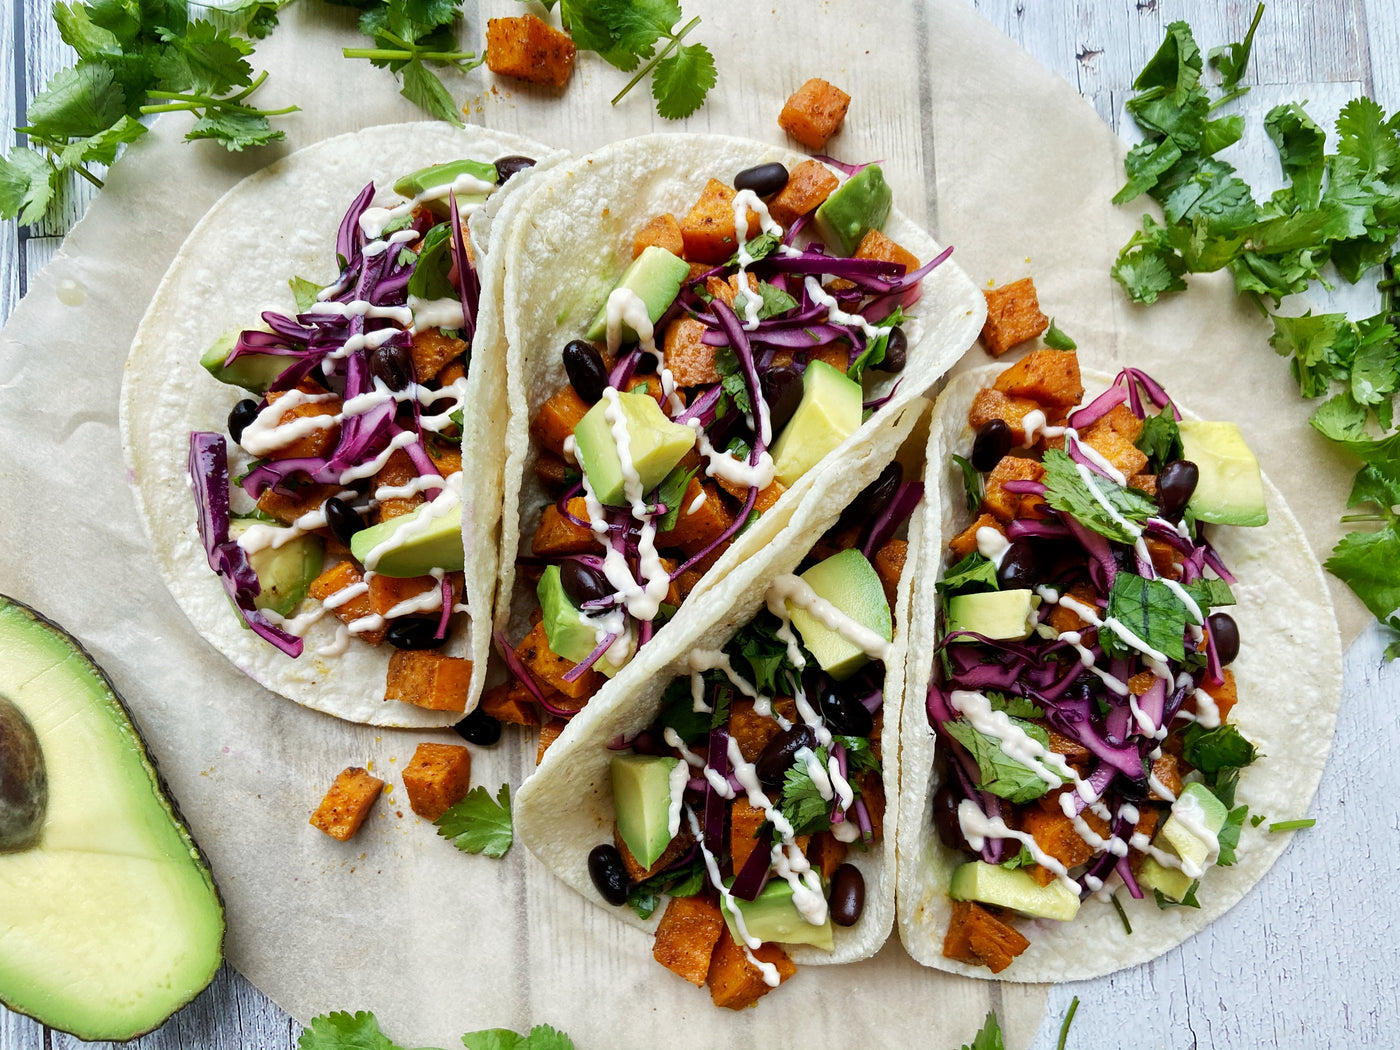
column 731, row 795
column 1077, row 785
column 676, row 389
column 303, row 490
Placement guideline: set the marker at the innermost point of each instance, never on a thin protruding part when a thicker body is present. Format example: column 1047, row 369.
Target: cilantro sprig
column 1067, row 490
column 477, row 824
column 360, row 1031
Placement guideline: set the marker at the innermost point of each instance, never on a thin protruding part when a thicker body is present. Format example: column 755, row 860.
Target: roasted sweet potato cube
column 303, row 497
column 511, row 702
column 1223, row 693
column 1013, row 316
column 686, row 937
column 557, row 418
column 765, row 499
column 889, row 566
column 550, row 668
column 686, row 582
column 555, row 474
column 673, row 852
column 814, row 112
column 432, row 350
column 744, row 822
column 1054, row 833
column 965, row 542
column 1050, row 378
column 1112, row 437
column 691, row 362
column 347, row 803
column 1071, row 750
column 663, row 232
column 313, row 423
column 708, row 228
column 750, row 730
column 1166, row 771
column 875, row 245
column 558, row 535
column 550, row 729
column 808, row 185
column 446, row 456
column 387, row 593
column 437, row 778
column 528, row 49
column 1141, row 682
column 702, row 519
column 837, row 355
column 1144, row 483
column 977, row 936
column 1063, row 618
column 989, row 404
column 825, row 853
column 736, row 983
column 647, row 383
column 345, row 580
column 1033, row 507
column 393, row 489
column 996, row 500
column 427, row 678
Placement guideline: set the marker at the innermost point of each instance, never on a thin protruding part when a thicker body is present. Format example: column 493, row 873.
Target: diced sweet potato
column 511, row 702
column 702, row 519
column 826, row 853
column 528, row 49
column 996, row 500
column 662, row 232
column 750, row 730
column 763, row 503
column 1050, row 378
column 647, row 383
column 446, row 456
column 1141, row 682
column 557, row 418
column 691, row 362
column 837, row 355
column 965, row 542
column 432, row 350
column 977, row 936
column 736, row 983
column 686, row 937
column 1033, row 507
column 875, row 245
column 1166, row 770
column 1224, row 693
column 889, row 566
column 814, row 112
column 1013, row 316
column 550, row 729
column 1063, row 618
column 387, row 593
column 551, row 668
column 678, row 846
column 708, row 228
column 303, row 497
column 453, row 370
column 554, row 474
column 347, row 803
column 397, row 472
column 686, row 582
column 426, row 678
column 342, row 577
column 437, row 778
column 1054, row 833
column 1144, row 483
column 990, row 404
column 1112, row 436
column 809, row 184
column 558, row 535
column 1071, row 750
column 744, row 822
column 314, row 439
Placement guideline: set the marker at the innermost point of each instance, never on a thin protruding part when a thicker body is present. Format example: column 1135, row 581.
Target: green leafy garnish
column 670, row 493
column 1150, row 610
column 1292, row 825
column 1067, row 491
column 802, row 802
column 972, row 483
column 1160, row 440
column 1002, row 775
column 1231, row 59
column 1069, row 1020
column 1229, row 835
column 1057, row 340
column 360, row 1031
column 687, row 881
column 479, row 824
column 1023, row 859
column 1218, row 750
column 988, row 1037
column 678, row 712
column 874, row 352
column 757, row 644
column 1188, row 899
column 304, row 292
column 1015, row 706
column 973, row 573
column 1122, row 915
column 731, row 378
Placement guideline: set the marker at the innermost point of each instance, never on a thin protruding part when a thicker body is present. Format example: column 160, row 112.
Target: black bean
column 782, row 389
column 945, row 818
column 343, row 519
column 1132, row 790
column 873, row 499
column 1175, row 484
column 1226, row 634
column 896, row 352
column 508, row 166
column 583, row 583
column 393, row 365
column 240, row 416
column 479, row 728
column 847, row 896
column 993, row 441
column 1020, row 568
column 415, row 632
column 845, row 715
column 608, row 873
column 764, row 179
column 586, row 371
column 776, row 760
column 651, row 742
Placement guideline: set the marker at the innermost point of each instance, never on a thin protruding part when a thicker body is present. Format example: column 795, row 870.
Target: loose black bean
column 764, row 179
column 777, row 757
column 608, row 873
column 1020, row 568
column 479, row 728
column 508, row 166
column 1175, row 484
column 896, row 352
column 415, row 633
column 782, row 389
column 1226, row 634
column 583, row 583
column 945, row 818
column 392, row 364
column 586, row 370
column 845, row 715
column 847, row 896
column 343, row 519
column 993, row 441
column 873, row 499
column 240, row 416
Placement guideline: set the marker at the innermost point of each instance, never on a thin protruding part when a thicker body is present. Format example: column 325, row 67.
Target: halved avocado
column 110, row 921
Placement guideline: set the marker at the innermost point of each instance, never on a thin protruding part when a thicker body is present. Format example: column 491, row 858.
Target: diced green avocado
column 1013, row 888
column 1230, row 490
column 1190, row 831
column 656, row 276
column 428, row 538
column 284, row 573
column 829, row 413
column 641, row 786
column 568, row 635
column 655, row 446
column 425, row 179
column 1005, row 615
column 848, row 581
column 253, row 372
column 1172, row 883
column 110, row 920
column 859, row 205
column 772, row 916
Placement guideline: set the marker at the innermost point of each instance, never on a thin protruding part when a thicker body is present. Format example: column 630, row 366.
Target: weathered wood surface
column 1319, row 924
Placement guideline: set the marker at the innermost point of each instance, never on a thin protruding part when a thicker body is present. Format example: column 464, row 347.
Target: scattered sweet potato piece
column 432, row 350
column 304, row 497
column 826, row 853
column 1048, row 377
column 744, row 822
column 736, row 983
column 550, row 729
column 647, row 383
column 315, row 442
column 875, row 245
column 977, row 936
column 989, row 404
column 347, row 803
column 453, row 370
column 808, row 185
column 1144, row 483
column 426, row 678
column 996, row 500
column 686, row 937
column 446, row 456
column 965, row 542
column 1112, row 436
column 437, row 778
column 1223, row 694
column 1070, row 749
column 557, row 418
column 763, row 503
column 691, row 362
column 697, row 526
column 528, row 49
column 663, row 232
column 837, row 355
column 557, row 535
column 814, row 112
column 1054, row 833
column 1167, row 771
column 750, row 730
column 551, row 668
column 1141, row 682
column 889, row 566
column 1013, row 316
column 708, row 228
column 387, row 592
column 1033, row 507
column 511, row 702
column 397, row 472
column 1063, row 618
column 341, row 577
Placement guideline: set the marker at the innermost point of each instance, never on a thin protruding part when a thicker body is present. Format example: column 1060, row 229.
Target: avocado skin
column 121, row 713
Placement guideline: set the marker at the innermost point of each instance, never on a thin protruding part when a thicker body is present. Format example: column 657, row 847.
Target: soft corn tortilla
column 572, row 241
column 1289, row 676
column 566, row 808
column 277, row 223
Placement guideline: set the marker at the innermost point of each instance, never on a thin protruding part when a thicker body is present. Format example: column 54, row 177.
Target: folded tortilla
column 1289, row 677
column 277, row 223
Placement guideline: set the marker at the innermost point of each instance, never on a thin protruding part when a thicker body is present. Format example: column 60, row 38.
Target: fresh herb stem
column 388, row 55
column 1064, row 1027
column 671, row 45
column 1292, row 825
column 1118, row 907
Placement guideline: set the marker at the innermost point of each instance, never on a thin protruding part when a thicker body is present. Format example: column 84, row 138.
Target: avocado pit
column 24, row 784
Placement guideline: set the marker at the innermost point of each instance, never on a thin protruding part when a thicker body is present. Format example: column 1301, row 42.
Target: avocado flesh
column 1015, row 889
column 427, row 538
column 829, row 413
column 285, row 573
column 641, row 787
column 568, row 635
column 654, row 443
column 857, row 206
column 1230, row 490
column 253, row 372
column 425, row 179
column 1195, row 810
column 772, row 916
column 1172, row 883
column 1004, row 615
column 656, row 276
column 111, row 922
column 848, row 581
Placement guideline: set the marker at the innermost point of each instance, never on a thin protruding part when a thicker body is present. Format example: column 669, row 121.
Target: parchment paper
column 1006, row 163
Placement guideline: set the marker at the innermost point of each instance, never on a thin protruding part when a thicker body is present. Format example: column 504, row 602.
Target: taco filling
column 346, row 494
column 1082, row 695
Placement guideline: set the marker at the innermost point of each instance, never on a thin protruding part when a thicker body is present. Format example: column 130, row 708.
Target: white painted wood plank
column 1383, row 37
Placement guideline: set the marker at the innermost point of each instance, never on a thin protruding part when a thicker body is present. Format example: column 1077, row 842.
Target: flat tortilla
column 236, row 262
column 1289, row 676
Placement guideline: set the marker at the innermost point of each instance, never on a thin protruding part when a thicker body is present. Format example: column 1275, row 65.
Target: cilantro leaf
column 801, row 802
column 671, row 492
column 643, row 897
column 102, row 147
column 1366, row 137
column 1216, row 750
column 1015, row 706
column 1188, row 899
column 988, row 1038
column 541, row 1037
column 681, row 81
column 1023, row 859
column 343, row 1031
column 235, row 129
column 972, row 483
column 1231, row 59
column 860, row 757
column 1148, row 268
column 479, row 825
column 304, row 292
column 1057, row 340
column 1151, row 610
column 1002, row 775
column 1310, row 341
column 757, row 645
column 620, row 31
column 1366, row 562
column 1229, row 835
column 1209, row 593
column 975, row 572
column 678, row 712
column 78, row 102
column 1301, row 145
column 425, row 89
column 82, row 34
column 1068, row 492
column 204, row 60
column 1160, row 439
column 27, row 185
column 731, row 374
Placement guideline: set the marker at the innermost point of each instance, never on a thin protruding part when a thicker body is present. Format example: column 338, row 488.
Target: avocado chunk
column 859, row 205
column 1230, row 490
column 568, row 635
column 1172, row 883
column 24, row 783
column 111, row 920
column 848, row 581
column 1005, row 615
column 1192, row 828
column 654, row 445
column 641, row 786
column 428, row 538
column 829, row 413
column 1015, row 889
column 284, row 573
column 253, row 372
column 656, row 276
column 772, row 916
column 425, row 180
